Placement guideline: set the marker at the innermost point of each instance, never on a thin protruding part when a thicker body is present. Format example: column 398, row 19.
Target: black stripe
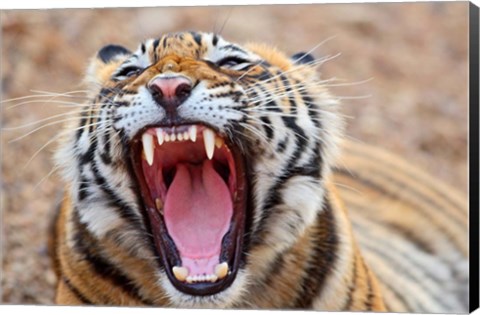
column 322, row 260
column 314, row 115
column 300, row 137
column 271, row 105
column 143, row 48
column 80, row 129
column 353, row 286
column 267, row 126
column 83, row 189
column 88, row 156
column 86, row 244
column 215, row 40
column 165, row 42
column 288, row 89
column 274, row 196
column 262, row 76
column 370, row 295
column 106, row 154
column 314, row 166
column 91, row 121
column 155, row 44
column 197, row 37
column 105, row 93
column 123, row 103
column 275, row 268
column 265, row 63
column 233, row 48
column 123, row 209
column 75, row 291
column 282, row 145
column 126, row 92
column 154, row 48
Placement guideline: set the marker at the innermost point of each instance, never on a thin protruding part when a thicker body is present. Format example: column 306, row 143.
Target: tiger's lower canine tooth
column 181, row 273
column 221, row 270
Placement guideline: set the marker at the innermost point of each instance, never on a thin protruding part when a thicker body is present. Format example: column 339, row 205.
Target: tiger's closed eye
column 231, row 61
column 129, row 71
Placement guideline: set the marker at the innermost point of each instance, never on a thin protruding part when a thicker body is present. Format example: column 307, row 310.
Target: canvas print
column 255, row 157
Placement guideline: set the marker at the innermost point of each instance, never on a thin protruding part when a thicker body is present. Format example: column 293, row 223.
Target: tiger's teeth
column 201, row 278
column 186, row 136
column 158, row 203
column 160, row 138
column 180, row 136
column 147, row 141
column 173, row 137
column 221, row 270
column 218, row 142
column 209, row 142
column 167, row 137
column 181, row 273
column 193, row 133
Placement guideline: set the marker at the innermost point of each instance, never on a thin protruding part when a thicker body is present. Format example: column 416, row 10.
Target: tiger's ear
column 302, row 58
column 111, row 52
column 104, row 63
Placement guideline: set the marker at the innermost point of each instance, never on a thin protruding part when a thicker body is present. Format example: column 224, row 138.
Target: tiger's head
column 200, row 160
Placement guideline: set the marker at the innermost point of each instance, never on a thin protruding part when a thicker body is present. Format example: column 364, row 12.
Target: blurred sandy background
column 415, row 55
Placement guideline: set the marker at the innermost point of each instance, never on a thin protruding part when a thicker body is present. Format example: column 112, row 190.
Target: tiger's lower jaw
column 194, row 191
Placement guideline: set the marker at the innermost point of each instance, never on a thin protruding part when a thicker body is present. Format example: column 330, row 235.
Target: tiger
column 206, row 174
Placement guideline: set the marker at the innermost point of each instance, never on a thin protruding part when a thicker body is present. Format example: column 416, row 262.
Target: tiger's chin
column 228, row 298
column 194, row 191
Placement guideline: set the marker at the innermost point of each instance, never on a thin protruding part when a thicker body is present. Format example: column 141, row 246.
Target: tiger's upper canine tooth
column 221, row 270
column 209, row 142
column 147, row 141
column 181, row 273
column 160, row 138
column 193, row 133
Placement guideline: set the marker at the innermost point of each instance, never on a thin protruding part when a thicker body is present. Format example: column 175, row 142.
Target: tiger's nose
column 170, row 91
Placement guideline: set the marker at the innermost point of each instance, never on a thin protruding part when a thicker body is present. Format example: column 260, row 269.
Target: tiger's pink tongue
column 197, row 211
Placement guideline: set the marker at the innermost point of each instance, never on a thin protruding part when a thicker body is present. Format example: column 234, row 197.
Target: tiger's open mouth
column 193, row 186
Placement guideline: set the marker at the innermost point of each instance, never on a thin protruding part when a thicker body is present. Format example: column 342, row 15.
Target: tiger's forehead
column 182, row 44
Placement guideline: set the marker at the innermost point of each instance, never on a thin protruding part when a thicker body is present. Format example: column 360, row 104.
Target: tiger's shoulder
column 411, row 227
